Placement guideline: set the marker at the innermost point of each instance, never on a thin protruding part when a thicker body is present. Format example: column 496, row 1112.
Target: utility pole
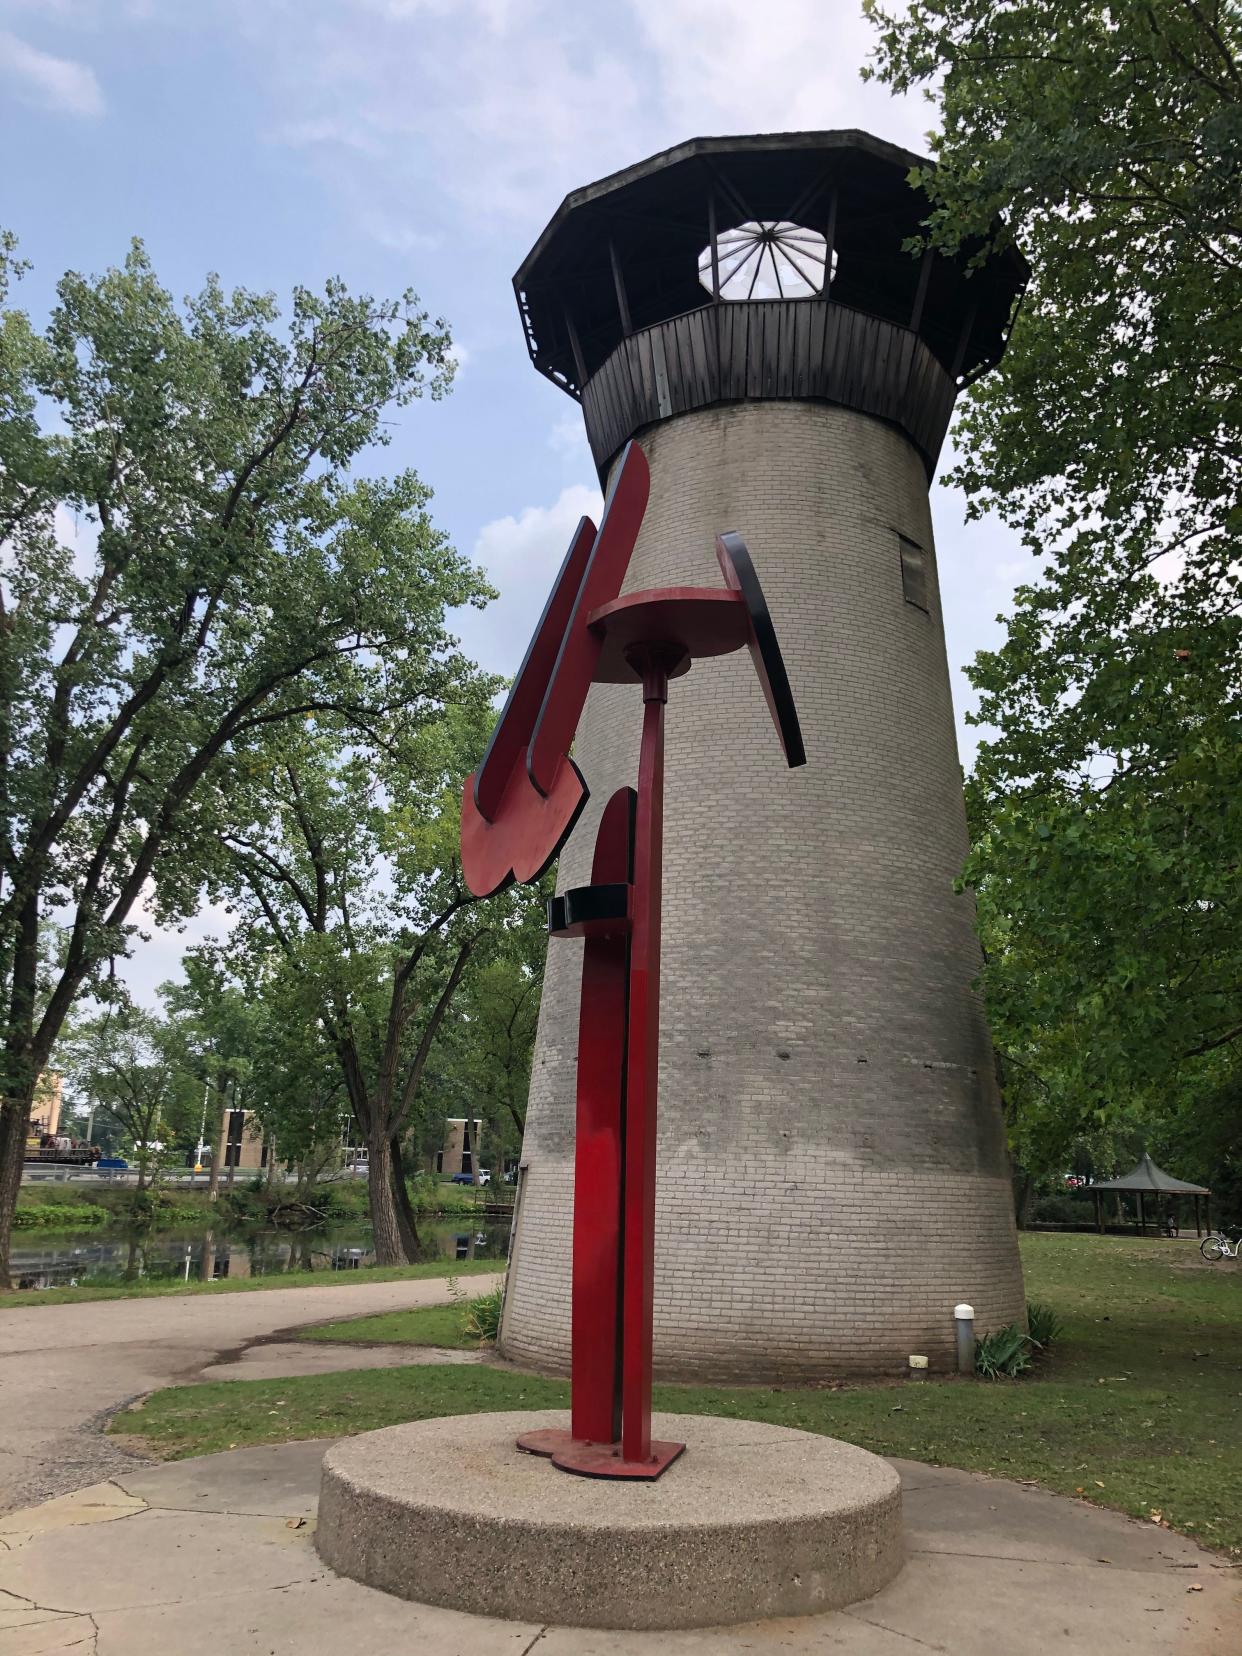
column 202, row 1129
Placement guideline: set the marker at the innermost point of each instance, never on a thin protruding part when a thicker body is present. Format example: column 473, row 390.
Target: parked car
column 468, row 1178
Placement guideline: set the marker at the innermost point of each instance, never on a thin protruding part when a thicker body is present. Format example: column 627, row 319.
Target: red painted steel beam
column 520, row 805
column 506, row 749
column 574, row 671
column 643, row 1061
column 598, row 1171
column 517, row 811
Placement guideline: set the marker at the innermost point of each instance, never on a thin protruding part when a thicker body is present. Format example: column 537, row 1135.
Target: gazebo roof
column 1147, row 1176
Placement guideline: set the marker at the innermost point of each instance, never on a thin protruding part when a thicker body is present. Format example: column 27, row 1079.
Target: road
column 63, row 1368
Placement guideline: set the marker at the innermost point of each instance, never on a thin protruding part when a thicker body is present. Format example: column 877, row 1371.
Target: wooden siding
column 789, row 349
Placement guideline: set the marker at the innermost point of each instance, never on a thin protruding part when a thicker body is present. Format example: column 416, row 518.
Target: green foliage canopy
column 1107, row 807
column 343, row 864
column 188, row 564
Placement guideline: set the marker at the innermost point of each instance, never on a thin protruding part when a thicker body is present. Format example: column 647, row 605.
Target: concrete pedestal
column 752, row 1521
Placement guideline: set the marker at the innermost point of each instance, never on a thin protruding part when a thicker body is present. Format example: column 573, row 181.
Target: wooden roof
column 623, row 254
column 1147, row 1176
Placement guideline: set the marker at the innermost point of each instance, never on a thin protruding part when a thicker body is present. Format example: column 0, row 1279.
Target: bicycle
column 1217, row 1245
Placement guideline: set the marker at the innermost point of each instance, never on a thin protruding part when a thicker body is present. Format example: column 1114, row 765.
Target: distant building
column 461, row 1143
column 48, row 1099
column 243, row 1143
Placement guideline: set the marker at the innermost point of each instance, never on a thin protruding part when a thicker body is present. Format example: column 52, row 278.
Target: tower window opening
column 914, row 574
column 768, row 259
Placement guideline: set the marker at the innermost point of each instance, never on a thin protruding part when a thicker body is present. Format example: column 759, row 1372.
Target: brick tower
column 832, row 1172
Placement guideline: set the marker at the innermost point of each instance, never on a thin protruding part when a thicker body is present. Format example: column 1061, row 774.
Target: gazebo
column 1147, row 1179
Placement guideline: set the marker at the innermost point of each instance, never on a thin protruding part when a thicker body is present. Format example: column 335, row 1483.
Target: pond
column 202, row 1253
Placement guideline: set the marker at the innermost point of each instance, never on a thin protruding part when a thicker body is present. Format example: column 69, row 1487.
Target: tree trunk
column 1025, row 1203
column 213, row 1178
column 406, row 1219
column 476, row 1170
column 21, row 1072
column 384, row 1222
column 14, row 1123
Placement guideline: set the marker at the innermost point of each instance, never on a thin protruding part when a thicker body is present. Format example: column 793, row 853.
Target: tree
column 227, row 575
column 121, row 1062
column 217, row 1032
column 1108, row 806
column 481, row 1068
column 298, row 1087
column 347, row 871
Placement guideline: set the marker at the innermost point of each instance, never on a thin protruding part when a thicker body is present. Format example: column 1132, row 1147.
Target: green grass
column 429, row 1325
column 447, row 1326
column 248, row 1285
column 200, row 1420
column 1137, row 1407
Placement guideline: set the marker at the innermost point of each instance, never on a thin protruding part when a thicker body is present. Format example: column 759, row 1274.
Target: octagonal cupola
column 773, row 266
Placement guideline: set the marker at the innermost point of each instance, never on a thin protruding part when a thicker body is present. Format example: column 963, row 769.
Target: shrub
column 1063, row 1210
column 1043, row 1323
column 144, row 1208
column 59, row 1216
column 243, row 1204
column 482, row 1315
column 342, row 1199
column 433, row 1196
column 1004, row 1354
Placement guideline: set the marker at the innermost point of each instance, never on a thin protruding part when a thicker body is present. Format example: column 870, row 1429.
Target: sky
column 424, row 144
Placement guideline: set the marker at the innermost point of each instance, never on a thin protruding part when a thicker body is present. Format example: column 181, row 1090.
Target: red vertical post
column 595, row 1400
column 642, row 1067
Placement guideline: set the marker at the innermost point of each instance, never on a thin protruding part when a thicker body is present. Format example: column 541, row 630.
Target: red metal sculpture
column 518, row 809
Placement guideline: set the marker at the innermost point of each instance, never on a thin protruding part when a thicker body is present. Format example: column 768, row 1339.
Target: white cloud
column 58, row 83
column 980, row 564
column 521, row 555
column 80, row 534
column 326, row 130
column 478, row 101
column 491, row 12
column 157, row 958
column 738, row 66
column 498, row 107
column 567, row 437
column 398, row 235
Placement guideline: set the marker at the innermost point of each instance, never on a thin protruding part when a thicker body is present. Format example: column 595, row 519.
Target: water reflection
column 210, row 1254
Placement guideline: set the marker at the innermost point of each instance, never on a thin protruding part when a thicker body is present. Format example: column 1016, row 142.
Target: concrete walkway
column 283, row 1359
column 63, row 1367
column 211, row 1555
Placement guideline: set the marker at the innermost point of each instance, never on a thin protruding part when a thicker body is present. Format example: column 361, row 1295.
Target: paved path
column 211, row 1555
column 281, row 1359
column 64, row 1366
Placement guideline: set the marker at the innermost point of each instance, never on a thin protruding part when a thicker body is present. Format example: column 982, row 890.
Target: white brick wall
column 832, row 1172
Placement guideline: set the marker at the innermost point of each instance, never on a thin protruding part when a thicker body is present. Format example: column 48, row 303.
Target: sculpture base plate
column 597, row 1460
column 753, row 1521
